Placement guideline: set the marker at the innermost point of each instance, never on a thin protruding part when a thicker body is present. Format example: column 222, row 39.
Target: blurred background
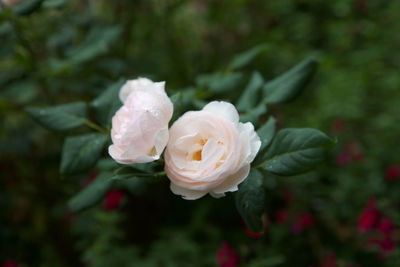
column 346, row 213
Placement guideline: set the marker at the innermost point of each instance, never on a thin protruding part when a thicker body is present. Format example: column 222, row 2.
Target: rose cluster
column 206, row 151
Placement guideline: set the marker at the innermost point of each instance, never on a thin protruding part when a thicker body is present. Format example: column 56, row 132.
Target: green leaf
column 96, row 43
column 184, row 100
column 267, row 132
column 81, row 152
column 251, row 95
column 59, row 118
column 253, row 114
column 107, row 103
column 92, row 194
column 289, row 85
column 21, row 92
column 133, row 185
column 244, row 58
column 219, row 82
column 250, row 200
column 27, row 7
column 295, row 151
column 54, row 3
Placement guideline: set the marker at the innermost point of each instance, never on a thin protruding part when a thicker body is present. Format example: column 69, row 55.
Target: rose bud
column 210, row 151
column 140, row 127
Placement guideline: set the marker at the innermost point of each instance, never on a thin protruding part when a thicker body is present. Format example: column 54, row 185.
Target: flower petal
column 223, row 109
column 186, row 193
column 230, row 184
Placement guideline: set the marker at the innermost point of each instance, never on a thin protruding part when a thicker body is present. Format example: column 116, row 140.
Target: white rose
column 210, row 151
column 140, row 127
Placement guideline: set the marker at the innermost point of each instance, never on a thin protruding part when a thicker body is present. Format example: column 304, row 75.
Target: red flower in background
column 343, row 158
column 303, row 222
column 386, row 245
column 113, row 200
column 226, row 256
column 392, row 172
column 385, row 226
column 10, row 263
column 352, row 151
column 369, row 216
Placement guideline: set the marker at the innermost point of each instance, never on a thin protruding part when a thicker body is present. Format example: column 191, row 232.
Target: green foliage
column 60, row 118
column 246, row 57
column 107, row 103
column 92, row 194
column 81, row 152
column 287, row 86
column 219, row 82
column 254, row 114
column 27, row 7
column 73, row 50
column 250, row 200
column 96, row 43
column 267, row 132
column 295, row 151
column 251, row 94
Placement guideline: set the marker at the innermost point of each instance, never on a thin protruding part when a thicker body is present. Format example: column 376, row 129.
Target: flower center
column 196, row 156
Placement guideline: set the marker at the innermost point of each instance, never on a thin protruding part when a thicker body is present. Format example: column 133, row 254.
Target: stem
column 259, row 165
column 139, row 175
column 95, row 126
column 158, row 174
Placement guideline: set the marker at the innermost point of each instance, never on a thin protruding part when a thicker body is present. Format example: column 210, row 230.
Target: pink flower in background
column 355, row 150
column 386, row 245
column 226, row 256
column 352, row 152
column 343, row 158
column 10, row 263
column 369, row 216
column 113, row 200
column 392, row 172
column 385, row 226
column 303, row 222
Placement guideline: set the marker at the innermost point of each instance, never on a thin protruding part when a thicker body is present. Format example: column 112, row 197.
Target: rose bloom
column 210, row 151
column 140, row 127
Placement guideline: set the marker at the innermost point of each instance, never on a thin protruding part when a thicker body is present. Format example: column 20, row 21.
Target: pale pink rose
column 210, row 151
column 140, row 127
column 140, row 84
